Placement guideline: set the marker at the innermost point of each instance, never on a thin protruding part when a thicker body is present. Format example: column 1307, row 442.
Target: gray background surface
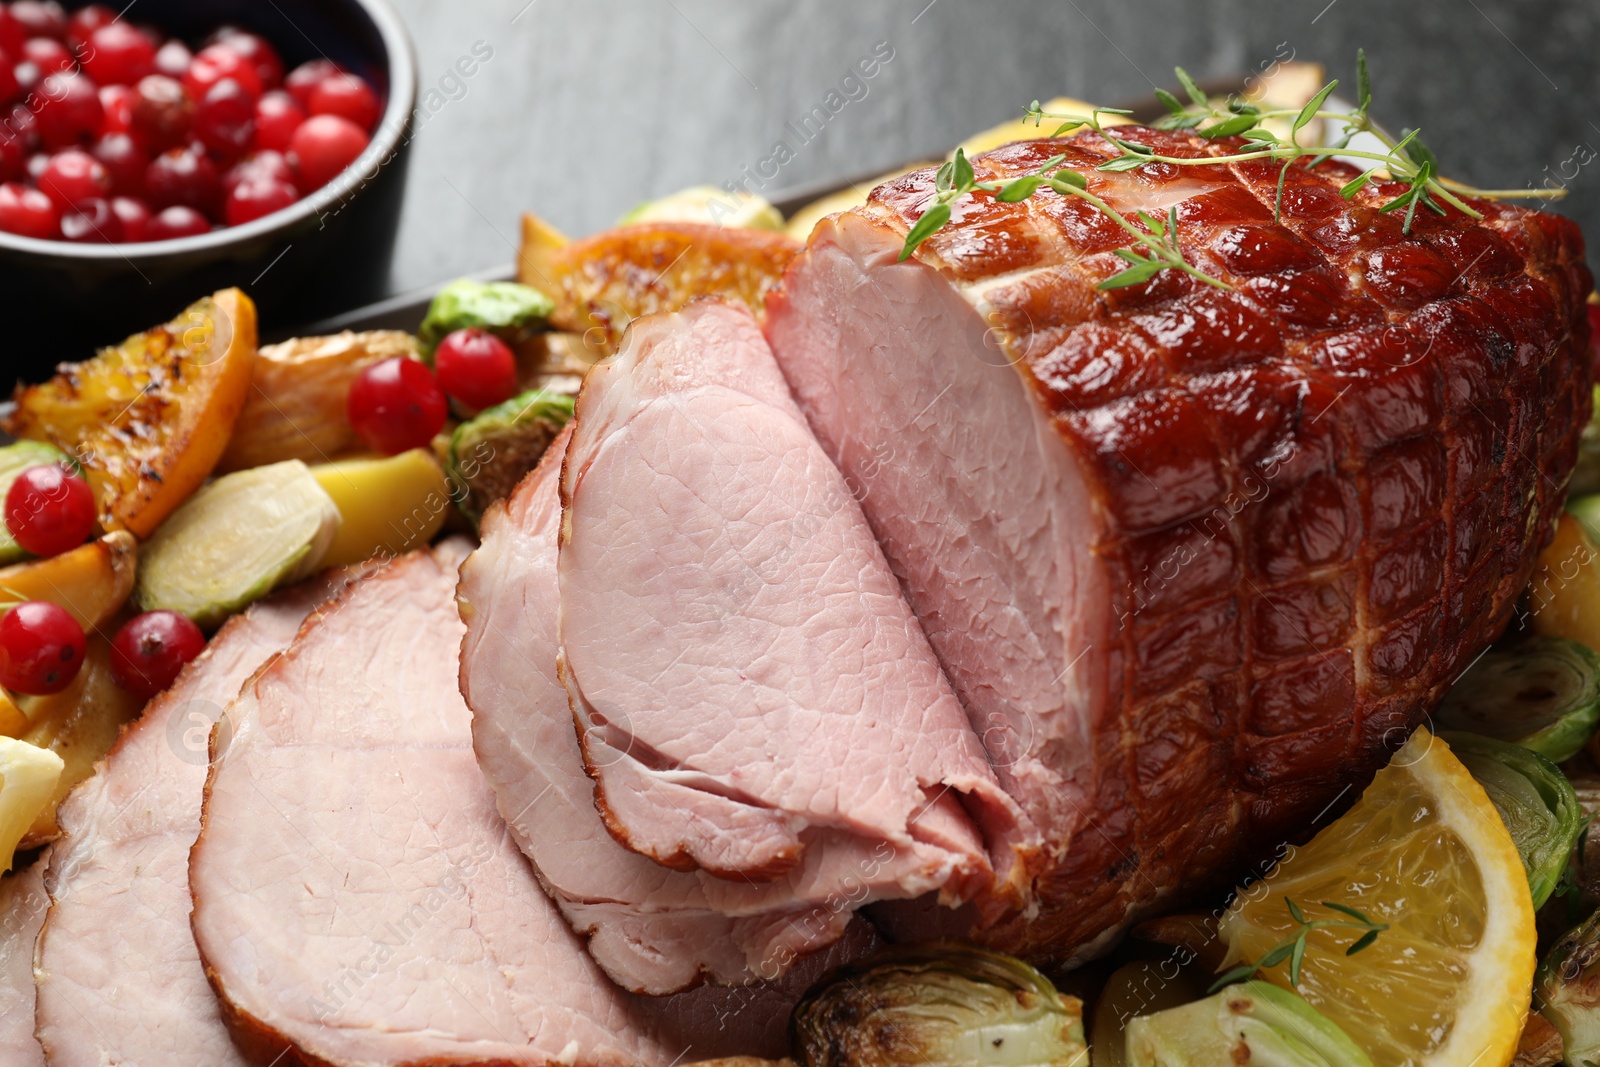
column 586, row 108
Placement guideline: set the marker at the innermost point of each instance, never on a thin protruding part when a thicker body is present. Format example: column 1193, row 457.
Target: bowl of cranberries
column 185, row 146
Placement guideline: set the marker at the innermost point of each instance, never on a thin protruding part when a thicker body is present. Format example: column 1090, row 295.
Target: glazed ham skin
column 651, row 929
column 754, row 697
column 120, row 980
column 1194, row 559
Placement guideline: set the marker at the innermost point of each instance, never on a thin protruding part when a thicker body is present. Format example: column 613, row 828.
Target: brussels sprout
column 14, row 459
column 1542, row 693
column 1567, row 991
column 490, row 453
column 1586, row 509
column 707, row 203
column 506, row 308
column 1252, row 1022
column 938, row 1005
column 235, row 541
column 1535, row 800
column 1586, row 474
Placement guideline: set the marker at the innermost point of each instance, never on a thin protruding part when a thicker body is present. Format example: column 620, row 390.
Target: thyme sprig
column 1293, row 948
column 1404, row 159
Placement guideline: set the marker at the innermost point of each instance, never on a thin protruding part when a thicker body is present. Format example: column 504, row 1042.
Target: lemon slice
column 1449, row 982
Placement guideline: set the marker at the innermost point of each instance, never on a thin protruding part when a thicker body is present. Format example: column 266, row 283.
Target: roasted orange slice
column 148, row 419
column 603, row 282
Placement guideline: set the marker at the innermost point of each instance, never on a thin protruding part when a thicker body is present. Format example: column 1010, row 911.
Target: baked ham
column 1194, row 559
column 119, row 978
column 23, row 903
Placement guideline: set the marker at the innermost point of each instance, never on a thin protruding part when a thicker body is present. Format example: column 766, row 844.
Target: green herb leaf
column 1229, row 127
column 1170, row 102
column 1231, row 975
column 1313, row 105
column 1277, row 201
column 1347, row 910
column 1350, row 188
column 1363, row 82
column 1070, row 177
column 1132, row 276
column 941, row 180
column 1190, row 87
column 929, row 224
column 1418, row 152
column 1277, row 955
column 1121, row 163
column 1130, row 255
column 1020, row 189
column 1294, row 911
column 963, row 170
column 1297, row 957
column 1362, row 942
column 1068, row 127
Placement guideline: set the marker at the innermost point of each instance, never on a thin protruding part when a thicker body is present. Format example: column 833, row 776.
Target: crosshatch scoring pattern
column 1319, row 493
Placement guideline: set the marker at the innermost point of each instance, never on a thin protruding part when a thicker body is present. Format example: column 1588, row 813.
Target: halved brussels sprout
column 1535, row 801
column 1567, row 991
column 1542, row 693
column 490, row 453
column 939, row 1005
column 1252, row 1023
column 1586, row 474
column 504, row 308
column 14, row 459
column 707, row 203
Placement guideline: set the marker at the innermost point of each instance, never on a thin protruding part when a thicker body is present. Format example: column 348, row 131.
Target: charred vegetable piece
column 1567, row 991
column 1586, row 475
column 504, row 308
column 707, row 203
column 1250, row 1023
column 938, row 1005
column 1141, row 988
column 92, row 581
column 1535, row 801
column 148, row 419
column 490, row 454
column 28, row 777
column 14, row 459
column 1542, row 693
column 235, row 541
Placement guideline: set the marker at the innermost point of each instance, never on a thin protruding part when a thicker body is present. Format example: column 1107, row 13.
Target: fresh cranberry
column 265, row 165
column 13, row 157
column 86, row 20
column 254, row 48
column 124, row 162
column 133, row 216
column 323, row 146
column 41, row 18
column 49, row 510
column 254, row 198
column 216, row 62
column 118, row 54
column 476, row 367
column 183, row 176
column 10, row 86
column 27, row 211
column 23, row 124
column 173, row 59
column 151, row 649
column 116, row 101
column 41, row 648
column 225, row 120
column 92, row 221
column 28, row 77
column 163, row 112
column 303, row 79
column 176, row 221
column 277, row 117
column 396, row 405
column 348, row 97
column 12, row 33
column 72, row 176
column 48, row 54
column 70, row 110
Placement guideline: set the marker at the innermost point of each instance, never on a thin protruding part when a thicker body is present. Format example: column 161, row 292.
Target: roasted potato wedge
column 148, row 419
column 388, row 505
column 296, row 405
column 79, row 724
column 602, row 283
column 92, row 581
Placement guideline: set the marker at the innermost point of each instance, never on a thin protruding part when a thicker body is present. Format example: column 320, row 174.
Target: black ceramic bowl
column 328, row 251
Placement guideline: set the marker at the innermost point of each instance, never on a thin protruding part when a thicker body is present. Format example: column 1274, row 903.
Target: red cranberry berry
column 396, row 405
column 118, row 54
column 48, row 54
column 225, row 120
column 176, row 221
column 476, row 367
column 85, row 20
column 10, row 86
column 70, row 110
column 323, row 146
column 277, row 117
column 74, row 175
column 116, row 101
column 133, row 216
column 41, row 648
column 163, row 112
column 13, row 157
column 254, row 48
column 216, row 62
column 307, row 76
column 92, row 222
column 124, row 162
column 24, row 124
column 28, row 78
column 173, row 59
column 28, row 212
column 183, row 176
column 258, row 165
column 41, row 18
column 348, row 97
column 151, row 649
column 254, row 198
column 49, row 510
column 12, row 34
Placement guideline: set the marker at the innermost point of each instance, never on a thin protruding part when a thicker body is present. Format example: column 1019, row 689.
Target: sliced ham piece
column 120, row 980
column 1194, row 559
column 23, row 903
column 652, row 929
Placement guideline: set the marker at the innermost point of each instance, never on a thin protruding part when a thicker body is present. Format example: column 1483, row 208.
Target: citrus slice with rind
column 1448, row 983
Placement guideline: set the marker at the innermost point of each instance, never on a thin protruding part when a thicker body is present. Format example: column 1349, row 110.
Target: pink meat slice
column 120, row 980
column 652, row 929
column 753, row 696
column 23, row 903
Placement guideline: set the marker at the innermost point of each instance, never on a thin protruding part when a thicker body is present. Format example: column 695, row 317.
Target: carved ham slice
column 23, row 903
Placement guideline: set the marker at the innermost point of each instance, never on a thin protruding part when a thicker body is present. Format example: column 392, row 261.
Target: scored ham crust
column 1196, row 560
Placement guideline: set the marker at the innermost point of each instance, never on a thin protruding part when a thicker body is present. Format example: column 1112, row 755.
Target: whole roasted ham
column 1193, row 558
